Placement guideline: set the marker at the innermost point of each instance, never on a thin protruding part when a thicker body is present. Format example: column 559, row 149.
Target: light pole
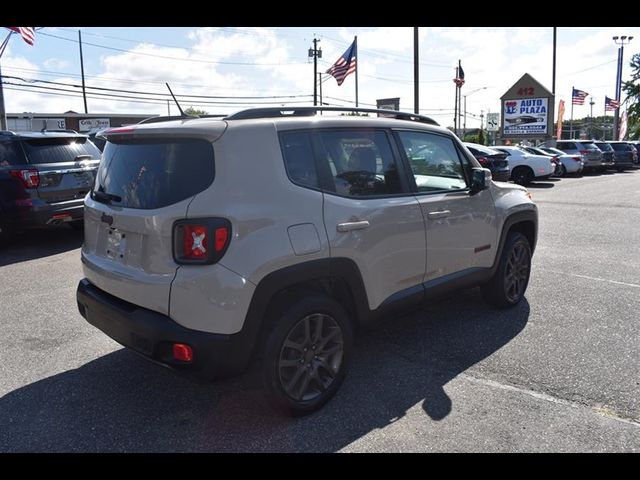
column 464, row 127
column 622, row 41
column 591, row 103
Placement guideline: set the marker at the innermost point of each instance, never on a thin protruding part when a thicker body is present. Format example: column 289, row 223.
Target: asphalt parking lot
column 558, row 373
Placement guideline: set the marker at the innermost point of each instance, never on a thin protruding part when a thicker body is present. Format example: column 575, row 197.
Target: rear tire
column 306, row 354
column 563, row 170
column 509, row 284
column 522, row 175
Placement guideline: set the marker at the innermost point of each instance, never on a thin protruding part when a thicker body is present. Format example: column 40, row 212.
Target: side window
column 361, row 162
column 10, row 154
column 434, row 161
column 299, row 159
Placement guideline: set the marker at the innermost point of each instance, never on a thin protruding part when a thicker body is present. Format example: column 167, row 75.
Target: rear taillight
column 584, row 152
column 29, row 177
column 577, row 159
column 200, row 241
column 483, row 161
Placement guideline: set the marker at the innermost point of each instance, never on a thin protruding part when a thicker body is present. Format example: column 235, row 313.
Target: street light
column 622, row 41
column 464, row 127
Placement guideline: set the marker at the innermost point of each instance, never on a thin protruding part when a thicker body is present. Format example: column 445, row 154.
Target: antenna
column 182, row 114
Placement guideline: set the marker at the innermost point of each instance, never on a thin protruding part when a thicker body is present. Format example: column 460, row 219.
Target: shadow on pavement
column 120, row 402
column 541, row 185
column 39, row 243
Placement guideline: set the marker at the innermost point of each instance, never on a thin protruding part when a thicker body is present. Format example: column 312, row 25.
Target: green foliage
column 195, row 111
column 478, row 137
column 632, row 90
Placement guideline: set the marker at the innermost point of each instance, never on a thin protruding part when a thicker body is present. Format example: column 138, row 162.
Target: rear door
column 143, row 186
column 370, row 214
column 66, row 165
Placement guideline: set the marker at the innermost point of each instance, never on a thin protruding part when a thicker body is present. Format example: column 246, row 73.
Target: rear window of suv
column 58, row 150
column 11, row 154
column 148, row 174
column 621, row 147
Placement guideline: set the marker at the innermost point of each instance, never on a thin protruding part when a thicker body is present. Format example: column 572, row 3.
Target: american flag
column 345, row 65
column 578, row 96
column 459, row 80
column 610, row 104
column 28, row 33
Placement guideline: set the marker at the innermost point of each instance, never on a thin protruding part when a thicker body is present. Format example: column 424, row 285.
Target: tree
column 632, row 89
column 195, row 111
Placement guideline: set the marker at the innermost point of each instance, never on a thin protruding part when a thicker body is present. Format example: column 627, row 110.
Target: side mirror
column 480, row 179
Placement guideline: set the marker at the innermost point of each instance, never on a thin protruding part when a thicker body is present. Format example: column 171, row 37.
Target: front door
column 460, row 227
column 370, row 214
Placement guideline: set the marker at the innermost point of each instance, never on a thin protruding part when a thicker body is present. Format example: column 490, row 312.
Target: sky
column 246, row 67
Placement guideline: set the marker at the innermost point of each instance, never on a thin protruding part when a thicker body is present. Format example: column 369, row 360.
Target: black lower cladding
column 153, row 334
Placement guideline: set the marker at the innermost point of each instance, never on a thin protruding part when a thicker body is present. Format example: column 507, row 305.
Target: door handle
column 441, row 214
column 348, row 226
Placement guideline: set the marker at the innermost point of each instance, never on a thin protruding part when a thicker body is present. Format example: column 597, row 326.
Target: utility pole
column 84, row 93
column 315, row 53
column 320, row 81
column 553, row 81
column 591, row 118
column 616, row 118
column 3, row 114
column 416, row 73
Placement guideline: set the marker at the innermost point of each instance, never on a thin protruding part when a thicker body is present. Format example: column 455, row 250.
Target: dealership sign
column 527, row 110
column 91, row 123
column 526, row 116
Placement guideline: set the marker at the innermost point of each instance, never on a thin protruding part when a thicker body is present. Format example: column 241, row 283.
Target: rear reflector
column 222, row 235
column 182, row 352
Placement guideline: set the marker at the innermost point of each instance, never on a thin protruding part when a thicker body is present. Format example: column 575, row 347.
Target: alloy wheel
column 516, row 273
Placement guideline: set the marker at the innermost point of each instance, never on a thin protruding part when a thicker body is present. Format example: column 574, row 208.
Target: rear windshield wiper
column 106, row 197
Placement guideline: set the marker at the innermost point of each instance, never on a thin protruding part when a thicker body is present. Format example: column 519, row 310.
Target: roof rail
column 271, row 112
column 168, row 118
column 58, row 130
column 8, row 132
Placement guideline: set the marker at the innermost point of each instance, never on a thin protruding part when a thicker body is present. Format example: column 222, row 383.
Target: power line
column 31, row 80
column 253, row 64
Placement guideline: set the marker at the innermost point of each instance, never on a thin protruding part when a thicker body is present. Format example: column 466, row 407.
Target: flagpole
column 571, row 129
column 604, row 130
column 455, row 108
column 355, row 42
column 459, row 98
column 3, row 114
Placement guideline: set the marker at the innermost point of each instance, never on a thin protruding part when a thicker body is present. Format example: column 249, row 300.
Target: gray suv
column 591, row 154
column 275, row 236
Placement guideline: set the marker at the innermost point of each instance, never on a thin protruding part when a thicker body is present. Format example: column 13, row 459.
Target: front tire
column 307, row 354
column 522, row 175
column 508, row 285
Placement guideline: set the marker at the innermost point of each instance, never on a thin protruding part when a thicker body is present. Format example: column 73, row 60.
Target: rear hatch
column 66, row 166
column 143, row 186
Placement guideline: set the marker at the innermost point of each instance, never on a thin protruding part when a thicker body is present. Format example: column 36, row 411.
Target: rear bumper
column 501, row 174
column 153, row 334
column 45, row 214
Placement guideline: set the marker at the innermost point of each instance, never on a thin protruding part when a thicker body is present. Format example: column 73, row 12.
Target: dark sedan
column 494, row 160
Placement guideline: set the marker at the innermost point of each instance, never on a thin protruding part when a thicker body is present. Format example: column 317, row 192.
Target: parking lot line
column 593, row 278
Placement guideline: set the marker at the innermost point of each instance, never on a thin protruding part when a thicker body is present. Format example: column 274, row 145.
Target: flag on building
column 28, row 33
column 560, row 115
column 578, row 96
column 610, row 104
column 623, row 126
column 459, row 80
column 346, row 64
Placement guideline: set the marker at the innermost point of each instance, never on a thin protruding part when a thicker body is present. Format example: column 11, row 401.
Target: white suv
column 273, row 236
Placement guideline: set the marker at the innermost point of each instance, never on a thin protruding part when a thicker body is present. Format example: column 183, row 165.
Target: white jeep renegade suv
column 272, row 236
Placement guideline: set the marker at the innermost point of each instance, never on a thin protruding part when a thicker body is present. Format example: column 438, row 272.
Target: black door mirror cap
column 480, row 179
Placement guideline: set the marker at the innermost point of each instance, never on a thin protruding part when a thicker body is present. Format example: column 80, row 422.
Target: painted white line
column 602, row 411
column 593, row 278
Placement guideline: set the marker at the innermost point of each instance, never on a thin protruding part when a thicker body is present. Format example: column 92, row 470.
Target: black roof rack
column 272, row 112
column 168, row 118
column 58, row 130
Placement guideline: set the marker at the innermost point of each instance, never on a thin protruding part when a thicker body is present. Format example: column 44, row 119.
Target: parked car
column 314, row 227
column 526, row 167
column 591, row 154
column 607, row 154
column 636, row 145
column 625, row 155
column 570, row 163
column 554, row 158
column 44, row 177
column 494, row 160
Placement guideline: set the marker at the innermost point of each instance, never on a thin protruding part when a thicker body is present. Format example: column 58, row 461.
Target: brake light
column 119, row 130
column 182, row 352
column 577, row 159
column 483, row 161
column 29, row 177
column 200, row 241
column 584, row 152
